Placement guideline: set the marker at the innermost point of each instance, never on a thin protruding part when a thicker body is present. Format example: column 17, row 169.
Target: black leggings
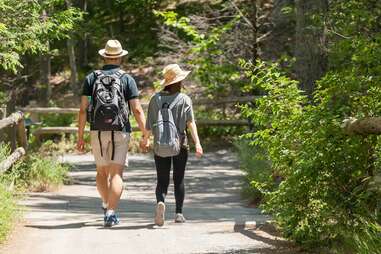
column 163, row 168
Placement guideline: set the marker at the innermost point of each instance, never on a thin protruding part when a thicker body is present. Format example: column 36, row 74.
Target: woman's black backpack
column 108, row 110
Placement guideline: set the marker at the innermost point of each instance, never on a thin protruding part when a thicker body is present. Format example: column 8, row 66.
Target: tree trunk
column 310, row 53
column 84, row 51
column 45, row 73
column 365, row 126
column 73, row 66
column 253, row 12
column 72, row 60
column 45, row 68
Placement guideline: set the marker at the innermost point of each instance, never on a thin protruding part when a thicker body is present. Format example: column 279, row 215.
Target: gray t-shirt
column 182, row 113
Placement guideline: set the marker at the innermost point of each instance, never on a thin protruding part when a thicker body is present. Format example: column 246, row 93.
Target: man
column 107, row 96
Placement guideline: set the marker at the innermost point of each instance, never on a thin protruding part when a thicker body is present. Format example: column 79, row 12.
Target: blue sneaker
column 111, row 220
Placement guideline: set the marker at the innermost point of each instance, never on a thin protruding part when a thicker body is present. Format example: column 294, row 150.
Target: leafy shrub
column 7, row 211
column 7, row 200
column 325, row 198
column 257, row 171
column 41, row 173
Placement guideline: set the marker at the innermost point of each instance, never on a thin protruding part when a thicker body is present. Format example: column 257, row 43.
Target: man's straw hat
column 113, row 49
column 173, row 74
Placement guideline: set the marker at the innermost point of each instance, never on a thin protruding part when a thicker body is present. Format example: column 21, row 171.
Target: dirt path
column 70, row 220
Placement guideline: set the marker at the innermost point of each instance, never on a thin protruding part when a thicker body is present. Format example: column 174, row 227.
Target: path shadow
column 97, row 223
column 252, row 234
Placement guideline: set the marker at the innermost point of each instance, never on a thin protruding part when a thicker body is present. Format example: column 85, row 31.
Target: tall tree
column 72, row 59
column 45, row 65
column 310, row 52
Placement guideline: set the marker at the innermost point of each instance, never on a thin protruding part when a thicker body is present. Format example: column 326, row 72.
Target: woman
column 181, row 111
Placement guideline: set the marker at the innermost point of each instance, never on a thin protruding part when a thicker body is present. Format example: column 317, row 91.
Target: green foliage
column 36, row 172
column 7, row 211
column 133, row 23
column 7, row 200
column 57, row 119
column 25, row 30
column 43, row 173
column 258, row 172
column 213, row 71
column 325, row 199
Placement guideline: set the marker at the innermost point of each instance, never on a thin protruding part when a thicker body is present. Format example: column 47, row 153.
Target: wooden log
column 56, row 130
column 206, row 123
column 365, row 126
column 11, row 120
column 62, row 130
column 21, row 135
column 201, row 101
column 12, row 159
column 50, row 110
column 228, row 100
column 3, row 113
column 201, row 122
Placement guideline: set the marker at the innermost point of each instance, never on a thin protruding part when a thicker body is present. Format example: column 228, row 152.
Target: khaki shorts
column 121, row 141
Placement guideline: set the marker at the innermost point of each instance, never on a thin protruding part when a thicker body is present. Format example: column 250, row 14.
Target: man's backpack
column 166, row 134
column 108, row 110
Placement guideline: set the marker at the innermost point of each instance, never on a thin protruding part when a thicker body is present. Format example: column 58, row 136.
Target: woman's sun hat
column 113, row 49
column 173, row 74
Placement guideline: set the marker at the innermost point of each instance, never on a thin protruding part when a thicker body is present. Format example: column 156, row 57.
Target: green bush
column 257, row 171
column 7, row 211
column 40, row 173
column 7, row 200
column 325, row 198
column 37, row 172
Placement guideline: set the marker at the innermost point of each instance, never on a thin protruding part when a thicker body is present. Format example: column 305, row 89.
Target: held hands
column 144, row 143
column 199, row 150
column 81, row 145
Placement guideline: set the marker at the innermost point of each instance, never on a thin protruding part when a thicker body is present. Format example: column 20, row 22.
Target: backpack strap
column 157, row 98
column 176, row 100
column 120, row 73
column 98, row 74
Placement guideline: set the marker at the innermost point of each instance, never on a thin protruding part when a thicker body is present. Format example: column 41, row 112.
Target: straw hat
column 113, row 49
column 173, row 74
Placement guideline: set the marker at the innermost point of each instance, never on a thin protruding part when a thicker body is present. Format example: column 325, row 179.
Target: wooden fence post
column 21, row 134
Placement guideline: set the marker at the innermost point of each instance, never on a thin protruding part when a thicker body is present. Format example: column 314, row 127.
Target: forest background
column 312, row 64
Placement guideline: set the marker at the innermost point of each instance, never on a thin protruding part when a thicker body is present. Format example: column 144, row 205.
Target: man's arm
column 82, row 123
column 138, row 112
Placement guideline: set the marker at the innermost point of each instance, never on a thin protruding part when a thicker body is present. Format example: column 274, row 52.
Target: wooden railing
column 17, row 137
column 35, row 111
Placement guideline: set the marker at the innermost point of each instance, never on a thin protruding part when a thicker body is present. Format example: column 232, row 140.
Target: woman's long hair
column 174, row 88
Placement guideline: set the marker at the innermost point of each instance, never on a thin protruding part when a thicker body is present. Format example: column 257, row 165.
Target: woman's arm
column 193, row 129
column 138, row 112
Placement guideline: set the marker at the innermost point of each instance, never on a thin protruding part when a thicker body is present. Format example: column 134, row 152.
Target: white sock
column 110, row 212
column 104, row 205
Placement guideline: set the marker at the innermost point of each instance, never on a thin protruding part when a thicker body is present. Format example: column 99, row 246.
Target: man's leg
column 116, row 185
column 103, row 183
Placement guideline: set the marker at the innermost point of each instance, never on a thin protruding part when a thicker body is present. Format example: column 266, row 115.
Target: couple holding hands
column 108, row 97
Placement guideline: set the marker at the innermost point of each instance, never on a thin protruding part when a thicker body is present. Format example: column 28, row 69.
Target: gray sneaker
column 179, row 218
column 159, row 214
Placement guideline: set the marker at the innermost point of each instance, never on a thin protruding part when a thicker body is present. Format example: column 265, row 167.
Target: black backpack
column 108, row 110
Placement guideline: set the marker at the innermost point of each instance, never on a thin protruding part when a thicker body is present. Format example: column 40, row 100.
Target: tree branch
column 365, row 126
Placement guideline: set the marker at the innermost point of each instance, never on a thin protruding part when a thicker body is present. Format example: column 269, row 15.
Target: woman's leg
column 163, row 167
column 179, row 164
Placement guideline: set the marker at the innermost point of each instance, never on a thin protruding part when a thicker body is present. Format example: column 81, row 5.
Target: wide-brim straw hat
column 113, row 49
column 173, row 74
